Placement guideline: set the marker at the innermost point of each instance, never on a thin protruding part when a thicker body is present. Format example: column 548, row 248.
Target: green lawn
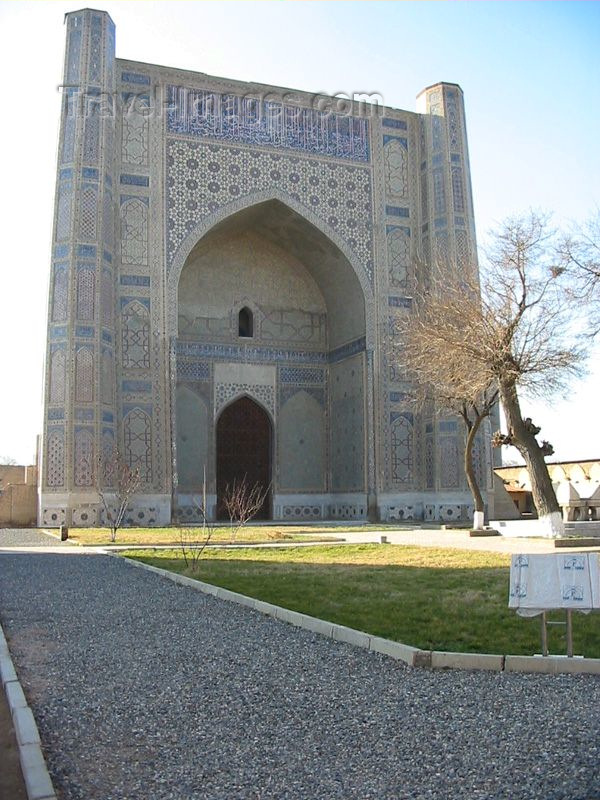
column 434, row 599
column 171, row 536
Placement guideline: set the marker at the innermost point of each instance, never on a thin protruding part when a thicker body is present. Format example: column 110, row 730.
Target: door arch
column 244, row 451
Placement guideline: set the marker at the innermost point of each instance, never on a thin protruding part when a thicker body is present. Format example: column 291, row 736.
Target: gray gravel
column 28, row 537
column 147, row 690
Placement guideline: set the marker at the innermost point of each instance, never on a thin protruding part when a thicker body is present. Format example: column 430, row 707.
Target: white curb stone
column 14, row 695
column 7, row 671
column 552, row 665
column 358, row 638
column 35, row 772
column 446, row 660
column 37, row 781
column 25, row 727
column 397, row 650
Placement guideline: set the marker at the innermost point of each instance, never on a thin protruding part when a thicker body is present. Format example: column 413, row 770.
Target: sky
column 529, row 72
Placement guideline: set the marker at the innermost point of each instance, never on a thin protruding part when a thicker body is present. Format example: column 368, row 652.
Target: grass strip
column 438, row 599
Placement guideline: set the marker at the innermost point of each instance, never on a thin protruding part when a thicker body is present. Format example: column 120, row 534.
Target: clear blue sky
column 529, row 70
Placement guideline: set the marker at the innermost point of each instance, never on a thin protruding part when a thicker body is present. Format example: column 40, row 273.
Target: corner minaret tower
column 79, row 406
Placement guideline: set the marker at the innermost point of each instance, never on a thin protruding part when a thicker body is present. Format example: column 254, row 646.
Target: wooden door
column 244, row 451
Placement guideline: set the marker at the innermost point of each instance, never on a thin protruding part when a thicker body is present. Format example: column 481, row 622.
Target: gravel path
column 145, row 690
column 28, row 537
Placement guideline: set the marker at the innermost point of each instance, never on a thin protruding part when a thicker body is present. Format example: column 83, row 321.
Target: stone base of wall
column 155, row 510
column 84, row 511
column 418, row 507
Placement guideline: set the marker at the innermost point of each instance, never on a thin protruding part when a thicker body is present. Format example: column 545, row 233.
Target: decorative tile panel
column 203, row 178
column 134, row 232
column 84, row 375
column 135, row 335
column 84, row 457
column 137, row 433
column 395, row 157
column 55, row 458
column 251, row 121
column 224, row 392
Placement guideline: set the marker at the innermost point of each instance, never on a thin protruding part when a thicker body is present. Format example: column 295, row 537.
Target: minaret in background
column 80, row 415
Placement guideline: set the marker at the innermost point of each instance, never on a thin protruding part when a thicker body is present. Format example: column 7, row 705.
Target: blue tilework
column 250, row 354
column 143, row 300
column 347, row 350
column 394, row 211
column 107, row 416
column 403, row 228
column 143, row 387
column 58, row 333
column 300, row 375
column 84, row 414
column 135, row 77
column 388, row 122
column 193, row 370
column 135, row 180
column 84, row 331
column 135, row 280
column 249, row 120
column 56, row 413
column 87, row 250
column 387, row 138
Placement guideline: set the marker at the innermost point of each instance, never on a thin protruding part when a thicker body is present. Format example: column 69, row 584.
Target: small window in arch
column 245, row 323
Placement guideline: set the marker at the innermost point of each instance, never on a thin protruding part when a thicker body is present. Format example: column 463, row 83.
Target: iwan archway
column 244, row 455
column 271, row 310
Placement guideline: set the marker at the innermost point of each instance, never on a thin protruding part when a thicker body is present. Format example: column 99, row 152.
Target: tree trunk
column 472, row 428
column 524, row 440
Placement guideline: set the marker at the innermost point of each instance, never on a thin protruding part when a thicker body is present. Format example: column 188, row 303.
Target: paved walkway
column 145, row 690
column 32, row 540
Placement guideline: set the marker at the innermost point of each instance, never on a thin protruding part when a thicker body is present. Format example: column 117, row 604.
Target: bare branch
column 117, row 484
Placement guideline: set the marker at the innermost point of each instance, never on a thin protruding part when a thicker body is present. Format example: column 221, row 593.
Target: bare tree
column 194, row 540
column 433, row 341
column 529, row 340
column 8, row 461
column 118, row 483
column 242, row 502
column 515, row 337
column 580, row 252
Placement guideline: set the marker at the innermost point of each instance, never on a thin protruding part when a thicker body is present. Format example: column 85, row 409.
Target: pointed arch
column 256, row 199
column 244, row 441
column 84, row 375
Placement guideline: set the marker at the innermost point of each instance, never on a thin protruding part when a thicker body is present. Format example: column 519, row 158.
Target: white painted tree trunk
column 478, row 520
column 551, row 525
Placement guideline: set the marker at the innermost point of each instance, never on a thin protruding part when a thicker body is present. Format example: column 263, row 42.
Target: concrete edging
column 412, row 656
column 35, row 772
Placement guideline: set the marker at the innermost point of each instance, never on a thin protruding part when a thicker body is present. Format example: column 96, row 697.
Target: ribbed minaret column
column 448, row 244
column 79, row 407
column 447, row 221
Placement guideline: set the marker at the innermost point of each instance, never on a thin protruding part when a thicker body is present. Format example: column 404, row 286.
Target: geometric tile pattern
column 202, row 178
